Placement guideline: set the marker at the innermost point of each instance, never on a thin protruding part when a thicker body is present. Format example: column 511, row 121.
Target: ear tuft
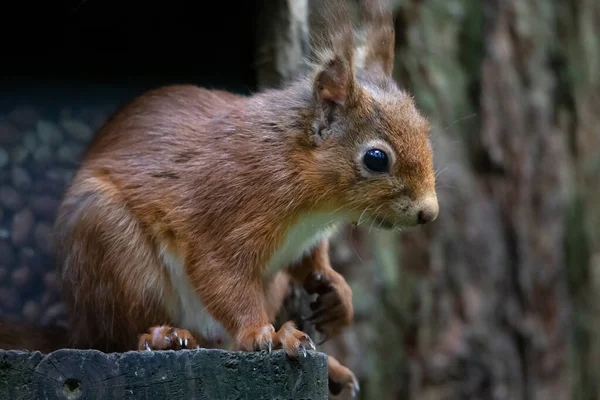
column 377, row 54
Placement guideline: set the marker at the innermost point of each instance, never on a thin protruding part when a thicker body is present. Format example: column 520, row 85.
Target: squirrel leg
column 257, row 333
column 332, row 310
column 236, row 298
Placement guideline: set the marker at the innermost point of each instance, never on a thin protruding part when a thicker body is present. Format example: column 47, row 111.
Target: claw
column 301, row 349
column 146, row 345
column 325, row 338
column 270, row 346
column 319, row 315
column 354, row 388
column 180, row 341
column 316, row 284
column 317, row 339
column 198, row 347
column 324, row 316
column 311, row 344
column 185, row 342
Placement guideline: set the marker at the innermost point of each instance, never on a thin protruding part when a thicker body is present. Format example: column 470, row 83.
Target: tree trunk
column 496, row 299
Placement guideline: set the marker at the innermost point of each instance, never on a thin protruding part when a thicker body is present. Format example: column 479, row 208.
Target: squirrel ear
column 332, row 50
column 332, row 54
column 333, row 89
column 334, row 82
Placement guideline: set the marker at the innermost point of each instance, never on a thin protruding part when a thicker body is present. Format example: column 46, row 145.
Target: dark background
column 78, row 61
column 58, row 49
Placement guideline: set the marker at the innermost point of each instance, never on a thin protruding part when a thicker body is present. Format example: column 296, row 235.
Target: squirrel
column 193, row 209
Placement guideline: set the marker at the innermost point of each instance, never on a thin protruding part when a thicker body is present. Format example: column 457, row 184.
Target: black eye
column 376, row 160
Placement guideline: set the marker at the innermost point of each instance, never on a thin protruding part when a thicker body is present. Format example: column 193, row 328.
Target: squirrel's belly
column 190, row 313
column 303, row 236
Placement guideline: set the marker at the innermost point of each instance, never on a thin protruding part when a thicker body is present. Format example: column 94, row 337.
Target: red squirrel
column 192, row 208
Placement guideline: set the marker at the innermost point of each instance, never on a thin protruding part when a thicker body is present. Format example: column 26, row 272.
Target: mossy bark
column 497, row 298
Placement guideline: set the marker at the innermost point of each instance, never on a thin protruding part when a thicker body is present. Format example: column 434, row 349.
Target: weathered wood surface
column 186, row 374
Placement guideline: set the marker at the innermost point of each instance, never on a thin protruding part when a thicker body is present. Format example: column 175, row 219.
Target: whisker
column 356, row 251
column 361, row 215
column 383, row 219
column 371, row 227
column 459, row 120
column 437, row 173
column 342, row 207
column 373, row 219
column 319, row 198
column 446, row 186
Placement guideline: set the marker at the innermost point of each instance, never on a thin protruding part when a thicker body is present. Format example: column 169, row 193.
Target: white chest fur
column 303, row 236
column 188, row 312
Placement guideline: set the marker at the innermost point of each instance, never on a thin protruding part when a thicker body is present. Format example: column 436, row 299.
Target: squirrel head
column 369, row 142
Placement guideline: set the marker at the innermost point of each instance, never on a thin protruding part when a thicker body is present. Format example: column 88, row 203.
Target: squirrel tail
column 21, row 336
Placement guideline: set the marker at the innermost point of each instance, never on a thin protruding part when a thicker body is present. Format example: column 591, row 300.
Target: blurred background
column 497, row 299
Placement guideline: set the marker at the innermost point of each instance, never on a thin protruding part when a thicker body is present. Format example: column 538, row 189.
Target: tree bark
column 496, row 299
column 283, row 41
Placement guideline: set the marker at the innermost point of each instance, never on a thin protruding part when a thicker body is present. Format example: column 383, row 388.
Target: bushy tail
column 21, row 336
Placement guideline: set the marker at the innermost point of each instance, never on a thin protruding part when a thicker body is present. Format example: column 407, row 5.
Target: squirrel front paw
column 293, row 341
column 332, row 310
column 167, row 338
column 256, row 339
column 288, row 338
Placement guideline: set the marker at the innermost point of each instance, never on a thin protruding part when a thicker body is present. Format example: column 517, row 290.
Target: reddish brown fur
column 315, row 273
column 218, row 179
column 14, row 336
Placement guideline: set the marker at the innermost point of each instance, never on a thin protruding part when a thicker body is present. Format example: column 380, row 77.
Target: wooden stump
column 185, row 374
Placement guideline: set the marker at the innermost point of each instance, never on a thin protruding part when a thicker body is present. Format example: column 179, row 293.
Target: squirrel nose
column 428, row 212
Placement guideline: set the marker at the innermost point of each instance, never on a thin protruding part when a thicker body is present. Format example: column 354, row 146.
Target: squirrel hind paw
column 167, row 338
column 340, row 378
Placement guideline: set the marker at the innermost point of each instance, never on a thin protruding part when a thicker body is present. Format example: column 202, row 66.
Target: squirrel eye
column 376, row 160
